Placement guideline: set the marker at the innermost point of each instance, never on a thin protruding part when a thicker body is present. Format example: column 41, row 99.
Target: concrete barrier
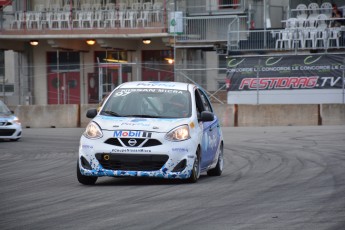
column 225, row 114
column 277, row 115
column 333, row 114
column 38, row 116
column 70, row 116
column 83, row 109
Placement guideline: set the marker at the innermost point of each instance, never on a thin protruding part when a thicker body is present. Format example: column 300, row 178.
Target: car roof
column 158, row 84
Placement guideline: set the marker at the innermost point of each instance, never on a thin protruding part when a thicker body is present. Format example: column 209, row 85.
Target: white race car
column 10, row 126
column 152, row 129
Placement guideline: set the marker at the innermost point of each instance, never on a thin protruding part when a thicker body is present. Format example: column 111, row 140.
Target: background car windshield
column 4, row 109
column 162, row 103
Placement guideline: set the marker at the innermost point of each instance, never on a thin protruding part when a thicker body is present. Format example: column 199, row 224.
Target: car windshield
column 149, row 103
column 4, row 109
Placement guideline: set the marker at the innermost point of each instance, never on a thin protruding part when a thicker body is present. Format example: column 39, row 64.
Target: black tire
column 86, row 180
column 217, row 171
column 196, row 170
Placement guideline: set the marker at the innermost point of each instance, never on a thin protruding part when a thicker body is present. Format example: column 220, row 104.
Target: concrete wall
column 332, row 114
column 45, row 116
column 277, row 115
column 69, row 116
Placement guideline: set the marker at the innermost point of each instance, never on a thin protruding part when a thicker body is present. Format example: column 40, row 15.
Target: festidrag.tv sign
column 286, row 79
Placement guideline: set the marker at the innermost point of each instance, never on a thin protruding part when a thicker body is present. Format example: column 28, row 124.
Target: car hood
column 7, row 117
column 132, row 123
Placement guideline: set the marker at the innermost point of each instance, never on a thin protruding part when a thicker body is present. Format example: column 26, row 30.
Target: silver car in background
column 10, row 126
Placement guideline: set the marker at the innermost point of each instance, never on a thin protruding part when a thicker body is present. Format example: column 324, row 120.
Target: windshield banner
column 285, row 72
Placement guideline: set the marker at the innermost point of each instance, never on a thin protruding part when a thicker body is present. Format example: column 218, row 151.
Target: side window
column 199, row 103
column 205, row 101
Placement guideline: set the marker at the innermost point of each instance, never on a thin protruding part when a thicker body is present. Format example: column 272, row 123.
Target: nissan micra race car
column 10, row 126
column 152, row 129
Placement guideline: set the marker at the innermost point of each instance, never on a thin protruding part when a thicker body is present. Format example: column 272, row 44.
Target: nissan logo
column 132, row 142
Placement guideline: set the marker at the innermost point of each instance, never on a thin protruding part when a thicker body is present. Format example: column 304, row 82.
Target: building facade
column 76, row 51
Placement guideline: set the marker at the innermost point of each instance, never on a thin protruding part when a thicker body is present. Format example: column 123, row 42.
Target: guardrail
column 71, row 116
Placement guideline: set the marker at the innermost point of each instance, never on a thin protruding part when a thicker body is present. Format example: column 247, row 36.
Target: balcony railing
column 97, row 17
column 321, row 35
column 207, row 7
column 208, row 29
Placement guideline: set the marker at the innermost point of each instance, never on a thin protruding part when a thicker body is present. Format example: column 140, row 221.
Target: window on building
column 2, row 63
column 68, row 61
column 223, row 4
column 222, row 64
column 9, row 88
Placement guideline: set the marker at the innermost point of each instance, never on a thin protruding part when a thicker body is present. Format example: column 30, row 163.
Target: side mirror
column 91, row 113
column 206, row 116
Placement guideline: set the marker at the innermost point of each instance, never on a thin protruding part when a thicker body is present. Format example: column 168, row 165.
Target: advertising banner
column 285, row 76
column 5, row 2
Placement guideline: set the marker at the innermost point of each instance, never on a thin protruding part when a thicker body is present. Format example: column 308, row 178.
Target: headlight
column 180, row 133
column 93, row 131
column 16, row 120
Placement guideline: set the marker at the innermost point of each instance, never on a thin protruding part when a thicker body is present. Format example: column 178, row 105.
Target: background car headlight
column 93, row 131
column 180, row 133
column 16, row 120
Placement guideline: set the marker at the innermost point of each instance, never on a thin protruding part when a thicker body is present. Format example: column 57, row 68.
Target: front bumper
column 169, row 160
column 13, row 131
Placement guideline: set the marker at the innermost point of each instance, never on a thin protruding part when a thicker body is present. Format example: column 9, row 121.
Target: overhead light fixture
column 91, row 42
column 115, row 60
column 34, row 42
column 170, row 60
column 146, row 41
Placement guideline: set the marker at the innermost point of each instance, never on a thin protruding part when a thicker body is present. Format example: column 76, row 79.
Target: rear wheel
column 217, row 171
column 86, row 180
column 196, row 170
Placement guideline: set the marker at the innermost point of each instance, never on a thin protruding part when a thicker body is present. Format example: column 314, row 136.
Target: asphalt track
column 279, row 178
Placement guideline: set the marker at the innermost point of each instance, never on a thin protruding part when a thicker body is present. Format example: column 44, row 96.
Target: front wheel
column 86, row 180
column 217, row 171
column 195, row 171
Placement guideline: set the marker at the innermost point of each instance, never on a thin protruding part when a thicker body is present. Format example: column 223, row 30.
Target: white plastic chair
column 19, row 20
column 144, row 18
column 33, row 20
column 120, row 19
column 157, row 11
column 301, row 11
column 77, row 21
column 65, row 20
column 313, row 9
column 130, row 18
column 85, row 7
column 109, row 19
column 86, row 21
column 110, row 6
column 334, row 35
column 98, row 19
column 326, row 8
column 322, row 31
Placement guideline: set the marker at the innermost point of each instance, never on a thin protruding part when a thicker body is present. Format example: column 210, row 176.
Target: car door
column 210, row 136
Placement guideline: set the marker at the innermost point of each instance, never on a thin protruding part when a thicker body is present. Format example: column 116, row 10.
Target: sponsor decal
column 180, row 150
column 156, row 83
column 135, row 124
column 272, row 61
column 121, row 133
column 311, row 60
column 87, row 146
column 130, row 151
column 279, row 83
column 234, row 62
